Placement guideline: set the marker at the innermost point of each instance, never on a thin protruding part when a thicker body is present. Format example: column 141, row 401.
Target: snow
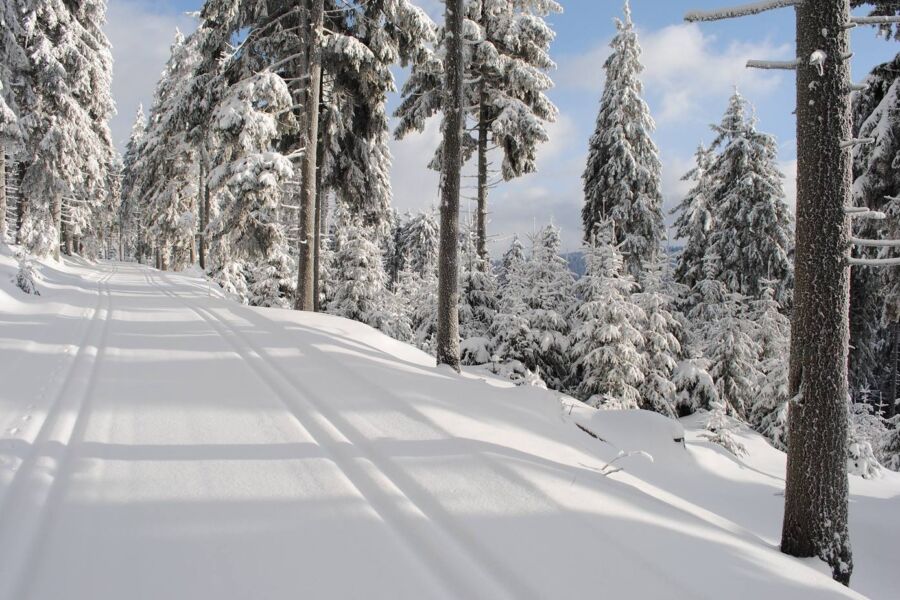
column 162, row 441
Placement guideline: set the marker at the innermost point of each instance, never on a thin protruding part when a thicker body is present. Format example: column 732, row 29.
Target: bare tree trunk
column 21, row 207
column 816, row 489
column 481, row 217
column 891, row 408
column 306, row 291
column 56, row 215
column 2, row 194
column 320, row 151
column 448, row 261
column 204, row 207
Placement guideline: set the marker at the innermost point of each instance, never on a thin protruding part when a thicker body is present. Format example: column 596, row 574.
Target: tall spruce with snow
column 512, row 259
column 608, row 360
column 694, row 220
column 477, row 301
column 751, row 232
column 64, row 103
column 661, row 330
column 506, row 60
column 622, row 176
column 875, row 293
column 417, row 246
column 13, row 60
column 548, row 297
column 131, row 205
column 166, row 184
column 768, row 412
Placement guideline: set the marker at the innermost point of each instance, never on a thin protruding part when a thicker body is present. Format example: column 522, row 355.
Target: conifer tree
column 477, row 301
column 768, row 413
column 622, row 176
column 608, row 361
column 131, row 207
column 751, row 232
column 694, row 220
column 13, row 60
column 512, row 259
column 506, row 60
column 661, row 331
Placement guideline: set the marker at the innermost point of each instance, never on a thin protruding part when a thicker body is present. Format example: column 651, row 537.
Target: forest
column 263, row 168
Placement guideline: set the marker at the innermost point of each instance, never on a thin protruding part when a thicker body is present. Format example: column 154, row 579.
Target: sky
column 690, row 71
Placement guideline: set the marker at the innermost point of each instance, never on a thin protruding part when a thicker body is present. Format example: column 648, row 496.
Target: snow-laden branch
column 861, row 212
column 875, row 243
column 874, row 262
column 787, row 65
column 857, row 142
column 734, row 12
column 858, row 87
column 874, row 20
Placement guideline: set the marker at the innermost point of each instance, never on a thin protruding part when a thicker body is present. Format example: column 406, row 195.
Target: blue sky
column 690, row 72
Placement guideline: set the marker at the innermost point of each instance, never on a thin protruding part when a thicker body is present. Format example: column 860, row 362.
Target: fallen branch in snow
column 609, row 469
column 734, row 12
column 590, row 433
column 787, row 65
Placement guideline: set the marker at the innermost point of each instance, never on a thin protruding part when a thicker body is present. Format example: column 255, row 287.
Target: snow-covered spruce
column 622, row 176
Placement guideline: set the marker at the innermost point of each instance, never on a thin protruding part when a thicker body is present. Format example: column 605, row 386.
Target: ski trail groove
column 367, row 386
column 419, row 534
column 26, row 510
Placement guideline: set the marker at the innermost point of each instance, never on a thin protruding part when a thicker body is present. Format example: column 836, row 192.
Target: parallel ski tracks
column 25, row 510
column 423, row 525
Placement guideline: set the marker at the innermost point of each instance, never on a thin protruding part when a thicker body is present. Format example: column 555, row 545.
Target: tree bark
column 204, row 208
column 56, row 216
column 481, row 217
column 2, row 194
column 448, row 261
column 891, row 408
column 21, row 206
column 320, row 158
column 816, row 488
column 306, row 291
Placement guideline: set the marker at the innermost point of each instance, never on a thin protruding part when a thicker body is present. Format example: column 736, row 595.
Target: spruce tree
column 622, row 176
column 131, row 207
column 768, row 412
column 477, row 301
column 661, row 331
column 608, row 360
column 694, row 221
column 506, row 60
column 751, row 225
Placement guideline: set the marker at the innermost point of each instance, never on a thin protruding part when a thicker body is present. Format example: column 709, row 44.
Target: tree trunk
column 2, row 194
column 320, row 152
column 481, row 217
column 306, row 291
column 204, row 209
column 448, row 261
column 816, row 489
column 891, row 408
column 21, row 206
column 56, row 216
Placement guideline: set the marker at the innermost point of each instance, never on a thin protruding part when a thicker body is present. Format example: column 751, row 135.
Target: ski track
column 429, row 536
column 40, row 481
column 418, row 496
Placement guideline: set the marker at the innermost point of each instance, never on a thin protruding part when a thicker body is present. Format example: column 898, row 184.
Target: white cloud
column 140, row 37
column 683, row 66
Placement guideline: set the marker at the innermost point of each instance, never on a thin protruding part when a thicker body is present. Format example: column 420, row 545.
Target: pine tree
column 695, row 220
column 131, row 207
column 506, row 59
column 661, row 331
column 768, row 413
column 622, row 177
column 477, row 302
column 875, row 293
column 13, row 61
column 751, row 231
column 548, row 298
column 608, row 361
column 512, row 259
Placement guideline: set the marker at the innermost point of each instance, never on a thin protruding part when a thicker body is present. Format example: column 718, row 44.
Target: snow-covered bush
column 720, row 429
column 866, row 435
column 695, row 388
column 27, row 275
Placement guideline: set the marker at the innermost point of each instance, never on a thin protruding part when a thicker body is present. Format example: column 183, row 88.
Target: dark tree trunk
column 891, row 409
column 204, row 209
column 306, row 291
column 21, row 206
column 448, row 261
column 481, row 217
column 816, row 489
column 2, row 194
column 320, row 158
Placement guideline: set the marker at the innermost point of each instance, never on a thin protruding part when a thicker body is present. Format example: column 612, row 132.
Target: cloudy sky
column 690, row 72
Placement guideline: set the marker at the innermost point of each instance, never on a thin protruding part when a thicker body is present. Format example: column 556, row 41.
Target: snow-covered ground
column 162, row 442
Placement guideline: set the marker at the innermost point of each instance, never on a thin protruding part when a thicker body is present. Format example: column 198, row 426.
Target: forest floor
column 160, row 441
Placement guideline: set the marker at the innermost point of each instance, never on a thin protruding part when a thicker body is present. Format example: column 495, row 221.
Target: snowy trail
column 187, row 447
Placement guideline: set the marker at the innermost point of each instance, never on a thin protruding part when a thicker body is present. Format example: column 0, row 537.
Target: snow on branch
column 734, row 12
column 875, row 243
column 859, row 87
column 861, row 212
column 857, row 142
column 874, row 262
column 787, row 65
column 874, row 20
